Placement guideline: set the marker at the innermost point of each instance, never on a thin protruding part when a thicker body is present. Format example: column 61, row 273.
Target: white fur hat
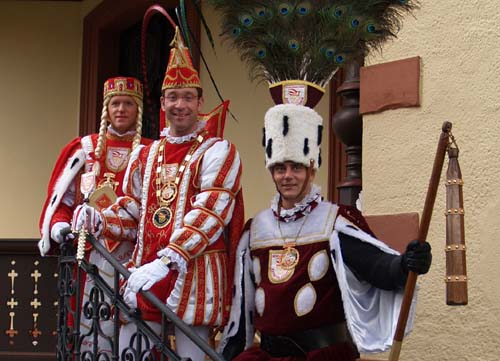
column 292, row 133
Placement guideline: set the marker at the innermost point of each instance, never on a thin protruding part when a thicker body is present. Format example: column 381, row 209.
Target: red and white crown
column 123, row 86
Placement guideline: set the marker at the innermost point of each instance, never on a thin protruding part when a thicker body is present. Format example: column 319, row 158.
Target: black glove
column 418, row 257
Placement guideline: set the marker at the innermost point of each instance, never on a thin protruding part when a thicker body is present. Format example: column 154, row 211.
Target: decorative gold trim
column 297, row 82
column 454, row 211
column 453, row 182
column 455, row 247
column 455, row 278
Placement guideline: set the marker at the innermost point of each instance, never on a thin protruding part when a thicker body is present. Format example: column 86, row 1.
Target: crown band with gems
column 123, row 86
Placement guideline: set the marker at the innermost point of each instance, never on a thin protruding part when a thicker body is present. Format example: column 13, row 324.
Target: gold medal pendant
column 162, row 217
column 168, row 193
column 289, row 259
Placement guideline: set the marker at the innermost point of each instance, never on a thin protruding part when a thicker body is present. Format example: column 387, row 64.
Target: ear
column 201, row 101
column 312, row 175
column 162, row 102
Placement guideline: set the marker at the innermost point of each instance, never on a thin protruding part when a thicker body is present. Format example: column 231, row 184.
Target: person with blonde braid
column 106, row 155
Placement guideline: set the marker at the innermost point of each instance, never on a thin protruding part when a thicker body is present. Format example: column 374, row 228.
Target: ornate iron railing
column 105, row 304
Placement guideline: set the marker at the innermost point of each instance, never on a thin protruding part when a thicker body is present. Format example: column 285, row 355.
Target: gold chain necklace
column 166, row 191
column 290, row 257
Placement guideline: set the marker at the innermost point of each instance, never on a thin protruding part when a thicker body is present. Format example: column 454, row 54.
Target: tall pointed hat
column 180, row 71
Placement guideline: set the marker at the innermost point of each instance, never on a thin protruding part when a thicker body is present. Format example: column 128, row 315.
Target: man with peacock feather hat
column 311, row 277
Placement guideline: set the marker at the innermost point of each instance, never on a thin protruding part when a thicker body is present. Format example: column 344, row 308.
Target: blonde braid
column 102, row 129
column 138, row 127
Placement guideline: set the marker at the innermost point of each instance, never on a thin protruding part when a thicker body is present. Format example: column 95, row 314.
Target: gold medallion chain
column 166, row 190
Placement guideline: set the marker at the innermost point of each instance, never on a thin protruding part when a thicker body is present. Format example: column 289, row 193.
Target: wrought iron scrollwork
column 80, row 331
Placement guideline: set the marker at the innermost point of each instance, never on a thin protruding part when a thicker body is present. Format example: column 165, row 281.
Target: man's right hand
column 88, row 217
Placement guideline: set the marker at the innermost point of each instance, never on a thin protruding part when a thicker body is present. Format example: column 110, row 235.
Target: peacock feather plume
column 307, row 40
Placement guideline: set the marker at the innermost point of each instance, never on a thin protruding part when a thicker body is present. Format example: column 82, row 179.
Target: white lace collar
column 184, row 138
column 303, row 207
column 116, row 134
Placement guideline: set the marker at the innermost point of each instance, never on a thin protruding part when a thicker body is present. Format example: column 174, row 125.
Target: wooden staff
column 422, row 235
column 456, row 270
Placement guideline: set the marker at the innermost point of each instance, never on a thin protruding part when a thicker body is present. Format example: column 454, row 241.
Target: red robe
column 75, row 158
column 208, row 202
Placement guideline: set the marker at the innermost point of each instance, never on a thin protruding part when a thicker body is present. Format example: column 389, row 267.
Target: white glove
column 130, row 298
column 55, row 231
column 147, row 275
column 88, row 217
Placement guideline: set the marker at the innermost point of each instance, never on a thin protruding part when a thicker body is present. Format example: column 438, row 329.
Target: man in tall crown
column 181, row 193
column 310, row 275
column 103, row 158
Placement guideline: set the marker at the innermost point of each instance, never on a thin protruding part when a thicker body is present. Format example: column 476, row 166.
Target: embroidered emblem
column 116, row 158
column 295, row 94
column 277, row 273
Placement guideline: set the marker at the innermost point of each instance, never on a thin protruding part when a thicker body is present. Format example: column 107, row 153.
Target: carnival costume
column 106, row 156
column 313, row 279
column 183, row 203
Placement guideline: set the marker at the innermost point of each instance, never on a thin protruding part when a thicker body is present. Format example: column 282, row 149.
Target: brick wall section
column 391, row 85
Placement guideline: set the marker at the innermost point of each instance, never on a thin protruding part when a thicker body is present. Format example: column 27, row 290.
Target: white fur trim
column 371, row 313
column 73, row 166
column 302, row 124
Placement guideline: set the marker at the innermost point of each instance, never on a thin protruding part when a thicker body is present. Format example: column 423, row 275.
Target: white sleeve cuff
column 178, row 262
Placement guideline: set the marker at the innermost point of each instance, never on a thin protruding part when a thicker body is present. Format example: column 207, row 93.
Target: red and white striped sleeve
column 212, row 208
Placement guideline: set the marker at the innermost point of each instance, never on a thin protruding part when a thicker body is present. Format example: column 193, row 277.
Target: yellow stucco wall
column 39, row 96
column 460, row 47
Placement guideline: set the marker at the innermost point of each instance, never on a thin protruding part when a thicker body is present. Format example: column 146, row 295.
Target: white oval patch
column 260, row 300
column 305, row 299
column 318, row 265
column 256, row 270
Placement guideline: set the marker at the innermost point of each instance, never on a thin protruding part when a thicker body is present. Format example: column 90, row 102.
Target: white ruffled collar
column 113, row 131
column 184, row 138
column 300, row 209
